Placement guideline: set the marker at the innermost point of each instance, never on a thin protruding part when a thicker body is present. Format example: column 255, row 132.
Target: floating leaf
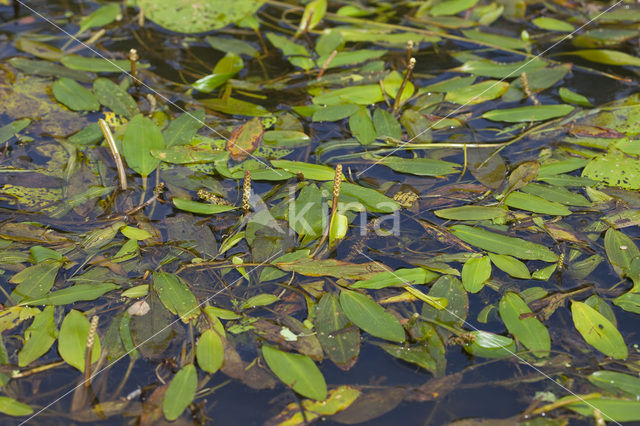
column 571, row 97
column 234, row 106
column 528, row 113
column 226, row 68
column 115, row 97
column 361, row 126
column 614, row 169
column 371, row 317
column 100, row 17
column 552, row 24
column 340, row 342
column 188, row 154
column 232, row 45
column 263, row 299
column 182, row 17
column 210, row 351
column 450, row 289
column 180, row 392
column 38, row 337
column 72, row 294
column 11, row 407
column 503, row 244
column 386, row 124
column 533, row 203
column 361, row 95
column 331, row 267
column 397, row 278
column 611, row 409
column 529, row 331
column 11, row 129
column 420, row 166
column 309, row 171
column 335, row 112
column 598, row 331
column 475, row 272
column 510, row 265
column 477, row 93
column 142, row 135
column 605, row 56
column 471, row 213
column 487, row 68
column 451, row 7
column 74, row 96
column 245, row 139
column 82, row 63
column 175, row 295
column 621, row 250
column 496, row 39
column 296, row 371
column 312, row 15
column 72, row 340
column 615, row 381
column 371, row 199
column 35, row 281
column 184, row 128
column 489, row 345
column 414, row 354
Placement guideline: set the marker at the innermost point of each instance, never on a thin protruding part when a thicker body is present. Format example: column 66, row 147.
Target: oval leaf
column 296, row 371
column 371, row 317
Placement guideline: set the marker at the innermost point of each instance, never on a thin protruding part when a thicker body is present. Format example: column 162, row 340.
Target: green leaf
column 529, row 331
column 200, row 208
column 533, row 203
column 39, row 337
column 234, row 106
column 296, row 371
column 614, row 381
column 13, row 128
column 418, row 355
column 605, row 56
column 451, row 7
column 263, row 299
column 510, row 265
column 226, row 68
column 571, row 97
column 306, row 213
column 361, row 126
column 598, row 331
column 477, row 93
column 142, row 135
column 371, row 199
column 331, row 267
column 72, row 340
column 350, row 57
column 335, row 112
column 232, row 45
column 312, row 15
column 552, row 24
column 487, row 68
column 556, row 193
column 12, row 407
column 74, row 96
column 489, row 345
column 527, row 114
column 629, row 301
column 309, row 171
column 371, row 317
column 72, row 294
column 182, row 16
column 614, row 169
column 115, row 97
column 175, row 295
column 471, row 213
column 450, row 289
column 184, row 128
column 180, row 392
column 392, row 83
column 502, row 244
column 420, row 166
column 496, row 39
column 285, row 138
column 399, row 277
column 35, row 281
column 611, row 409
column 340, row 343
column 361, row 95
column 210, row 351
column 134, row 233
column 188, row 154
column 386, row 124
column 621, row 250
column 297, row 54
column 77, row 62
column 100, row 17
column 475, row 272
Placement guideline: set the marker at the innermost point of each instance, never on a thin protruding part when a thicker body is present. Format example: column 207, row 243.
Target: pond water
column 478, row 269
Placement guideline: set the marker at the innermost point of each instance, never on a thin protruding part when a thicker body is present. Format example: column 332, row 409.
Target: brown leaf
column 245, row 139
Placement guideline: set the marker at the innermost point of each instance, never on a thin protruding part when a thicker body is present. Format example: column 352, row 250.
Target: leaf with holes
column 598, row 331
